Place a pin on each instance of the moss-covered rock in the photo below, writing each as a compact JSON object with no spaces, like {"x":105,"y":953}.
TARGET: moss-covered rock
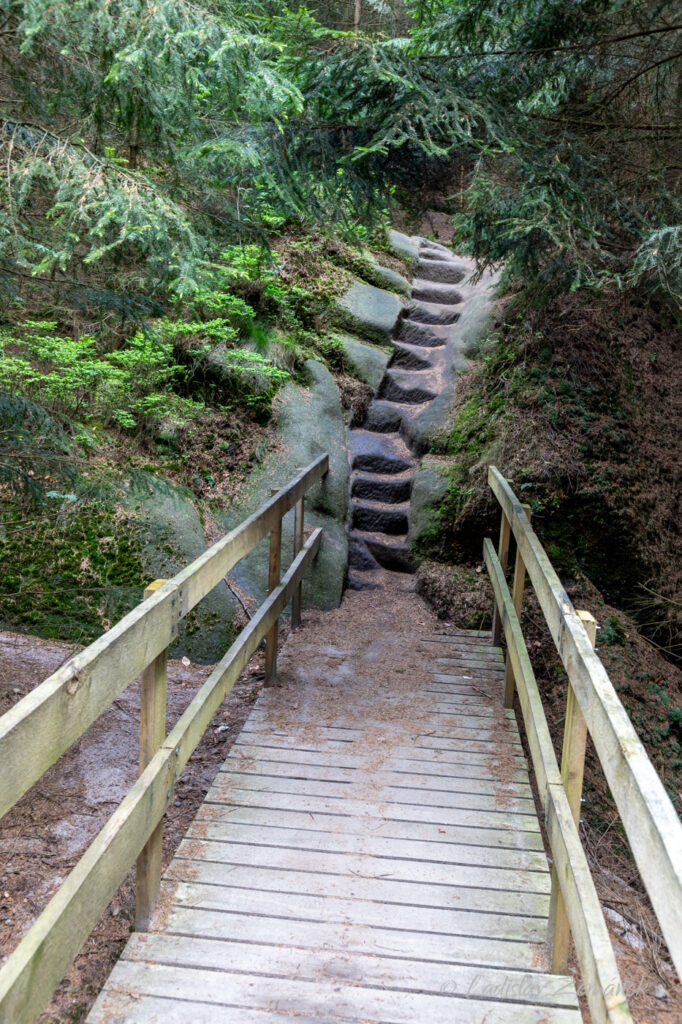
{"x":86,"y":566}
{"x":171,"y":537}
{"x":403,"y":246}
{"x":385,"y":277}
{"x":368,"y":311}
{"x":72,"y":572}
{"x":366,"y":362}
{"x":429,"y":487}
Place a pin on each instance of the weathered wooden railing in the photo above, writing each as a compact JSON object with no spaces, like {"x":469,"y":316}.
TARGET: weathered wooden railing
{"x":651,"y":824}
{"x":43,"y":725}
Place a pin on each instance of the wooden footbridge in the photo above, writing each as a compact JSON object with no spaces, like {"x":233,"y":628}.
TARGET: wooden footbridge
{"x":371,"y":849}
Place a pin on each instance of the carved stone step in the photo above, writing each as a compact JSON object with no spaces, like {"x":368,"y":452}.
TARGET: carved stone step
{"x":426,"y":335}
{"x":368,"y":580}
{"x":429,"y":250}
{"x":411,"y":357}
{"x":380,"y":516}
{"x":390,"y":552}
{"x":385,"y":487}
{"x":435,"y":291}
{"x":446,"y":271}
{"x":405,"y":386}
{"x":433,"y":313}
{"x":383,"y":417}
{"x":379,"y":453}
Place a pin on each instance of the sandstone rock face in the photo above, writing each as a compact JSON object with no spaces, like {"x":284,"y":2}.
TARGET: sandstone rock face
{"x":173,"y":537}
{"x":309,"y":423}
{"x":394,"y":500}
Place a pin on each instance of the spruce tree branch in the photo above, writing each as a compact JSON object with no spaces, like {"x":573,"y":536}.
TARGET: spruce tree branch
{"x":638,"y":74}
{"x":574,"y":48}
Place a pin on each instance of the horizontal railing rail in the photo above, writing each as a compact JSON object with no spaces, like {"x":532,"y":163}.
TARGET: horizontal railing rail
{"x":651,"y":824}
{"x":91,"y":681}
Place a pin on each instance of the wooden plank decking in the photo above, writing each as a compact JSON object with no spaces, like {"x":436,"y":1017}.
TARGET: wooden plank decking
{"x":372,"y":858}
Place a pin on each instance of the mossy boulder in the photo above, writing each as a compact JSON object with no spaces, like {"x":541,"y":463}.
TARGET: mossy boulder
{"x":367,"y":362}
{"x":385,"y":277}
{"x":309,"y":422}
{"x":172,"y":536}
{"x":90,"y":563}
{"x":403,"y":246}
{"x":430,"y":485}
{"x":369,"y":312}
{"x":76,"y":572}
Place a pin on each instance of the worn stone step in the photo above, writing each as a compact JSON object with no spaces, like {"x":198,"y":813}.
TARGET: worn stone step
{"x":393,"y":487}
{"x":405,"y":386}
{"x":434,"y":250}
{"x":379,"y":452}
{"x":391,"y":552}
{"x":368,"y":580}
{"x":436,"y":291}
{"x":447,"y":271}
{"x":383,"y":417}
{"x":433,"y":313}
{"x":380,"y":516}
{"x":412,"y":357}
{"x":425,"y":335}
{"x":436,"y":255}
{"x":360,"y":559}
{"x":378,"y":578}
{"x":384,"y":412}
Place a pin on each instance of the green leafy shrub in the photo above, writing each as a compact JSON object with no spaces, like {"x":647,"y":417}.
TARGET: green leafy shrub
{"x":255,"y":273}
{"x":612,"y":632}
{"x":254,"y":379}
{"x":214,"y":296}
{"x":131,"y":387}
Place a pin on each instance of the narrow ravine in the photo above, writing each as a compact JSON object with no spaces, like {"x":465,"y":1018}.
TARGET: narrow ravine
{"x":383,"y":464}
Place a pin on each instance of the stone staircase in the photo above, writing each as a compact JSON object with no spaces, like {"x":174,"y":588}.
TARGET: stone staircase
{"x":382,"y":462}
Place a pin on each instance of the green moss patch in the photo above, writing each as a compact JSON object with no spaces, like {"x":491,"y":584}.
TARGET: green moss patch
{"x":72,"y":575}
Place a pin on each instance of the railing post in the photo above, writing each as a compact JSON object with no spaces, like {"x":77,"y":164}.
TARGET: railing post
{"x":152,"y":735}
{"x":503,"y":558}
{"x":274,"y":570}
{"x":517,"y":600}
{"x":572,"y":771}
{"x":296,"y":599}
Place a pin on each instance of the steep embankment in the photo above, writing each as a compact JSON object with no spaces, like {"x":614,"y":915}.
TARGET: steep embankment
{"x":580,"y":406}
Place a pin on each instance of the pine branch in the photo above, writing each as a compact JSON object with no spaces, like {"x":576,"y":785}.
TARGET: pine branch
{"x":572,"y":48}
{"x":638,"y":74}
